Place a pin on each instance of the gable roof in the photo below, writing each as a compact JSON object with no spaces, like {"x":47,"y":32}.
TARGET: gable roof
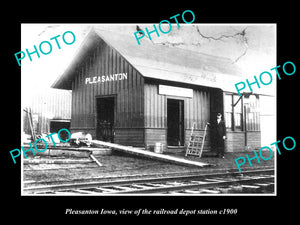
{"x":159,"y":62}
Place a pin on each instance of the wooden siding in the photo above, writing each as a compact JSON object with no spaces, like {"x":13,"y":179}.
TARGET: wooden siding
{"x":196,"y":109}
{"x":254,"y":139}
{"x":130,"y":136}
{"x":236,"y":141}
{"x":155,"y":107}
{"x":47,"y":105}
{"x":153,"y":135}
{"x":102,"y":61}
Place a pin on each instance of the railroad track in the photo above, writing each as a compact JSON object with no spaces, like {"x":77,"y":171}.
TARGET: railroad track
{"x":251,"y":181}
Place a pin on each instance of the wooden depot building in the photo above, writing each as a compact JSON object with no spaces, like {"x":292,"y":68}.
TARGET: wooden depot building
{"x":139,"y":95}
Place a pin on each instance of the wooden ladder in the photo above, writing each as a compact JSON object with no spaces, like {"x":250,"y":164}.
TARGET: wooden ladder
{"x":196,"y":143}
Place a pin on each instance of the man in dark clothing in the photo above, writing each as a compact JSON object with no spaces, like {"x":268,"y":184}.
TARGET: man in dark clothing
{"x":219,"y":129}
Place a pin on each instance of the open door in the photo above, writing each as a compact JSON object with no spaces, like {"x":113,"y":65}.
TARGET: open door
{"x":105,"y":119}
{"x":175,"y":121}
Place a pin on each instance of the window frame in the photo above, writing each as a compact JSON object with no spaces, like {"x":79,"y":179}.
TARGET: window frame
{"x":231,"y":125}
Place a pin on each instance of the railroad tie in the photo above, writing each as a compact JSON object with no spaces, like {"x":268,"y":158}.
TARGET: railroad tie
{"x":191,"y":192}
{"x":209,"y":191}
{"x":216,"y":183}
{"x":103,"y":189}
{"x":125,"y":188}
{"x":140,"y":186}
{"x":81,"y":191}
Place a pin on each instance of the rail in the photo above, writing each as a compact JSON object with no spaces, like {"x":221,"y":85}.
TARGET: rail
{"x":201,"y":183}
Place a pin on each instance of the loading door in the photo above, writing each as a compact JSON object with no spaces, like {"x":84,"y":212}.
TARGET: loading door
{"x":175,"y":121}
{"x":105,"y":119}
{"x":216,"y":106}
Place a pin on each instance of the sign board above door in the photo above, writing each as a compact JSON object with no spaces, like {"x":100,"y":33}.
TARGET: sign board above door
{"x":175,"y":91}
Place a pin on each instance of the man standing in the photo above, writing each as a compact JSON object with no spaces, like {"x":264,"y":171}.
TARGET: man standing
{"x":220,"y":135}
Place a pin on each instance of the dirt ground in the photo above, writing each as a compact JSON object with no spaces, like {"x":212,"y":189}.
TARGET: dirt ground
{"x":120,"y":164}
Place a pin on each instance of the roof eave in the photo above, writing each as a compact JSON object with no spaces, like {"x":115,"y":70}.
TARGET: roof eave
{"x":64,"y":81}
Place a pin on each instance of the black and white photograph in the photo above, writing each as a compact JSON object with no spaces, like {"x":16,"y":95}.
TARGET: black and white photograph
{"x":143,"y":109}
{"x":150,"y":112}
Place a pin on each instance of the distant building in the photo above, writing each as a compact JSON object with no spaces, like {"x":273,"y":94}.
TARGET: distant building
{"x":162,"y":92}
{"x":50,"y":109}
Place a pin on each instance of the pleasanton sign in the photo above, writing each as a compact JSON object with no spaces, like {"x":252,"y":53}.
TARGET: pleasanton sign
{"x":106,"y":78}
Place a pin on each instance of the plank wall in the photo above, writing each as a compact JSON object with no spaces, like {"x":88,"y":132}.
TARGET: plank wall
{"x":196,"y":110}
{"x":102,"y":61}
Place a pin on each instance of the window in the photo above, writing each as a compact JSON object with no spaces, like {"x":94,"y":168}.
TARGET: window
{"x":228,"y":111}
{"x":238,"y":115}
{"x":235,"y":114}
{"x":252,"y":113}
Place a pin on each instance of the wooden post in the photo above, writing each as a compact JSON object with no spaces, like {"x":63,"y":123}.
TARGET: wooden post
{"x":28,"y":111}
{"x":95,"y":160}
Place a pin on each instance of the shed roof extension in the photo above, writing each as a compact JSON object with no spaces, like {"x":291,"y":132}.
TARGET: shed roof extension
{"x":159,"y":62}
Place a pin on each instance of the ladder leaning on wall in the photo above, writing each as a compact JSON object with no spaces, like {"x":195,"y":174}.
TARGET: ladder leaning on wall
{"x":196,"y":143}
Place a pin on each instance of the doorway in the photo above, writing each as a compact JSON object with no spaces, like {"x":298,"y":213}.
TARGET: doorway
{"x":105,"y":119}
{"x":216,"y":106}
{"x":175,"y":122}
